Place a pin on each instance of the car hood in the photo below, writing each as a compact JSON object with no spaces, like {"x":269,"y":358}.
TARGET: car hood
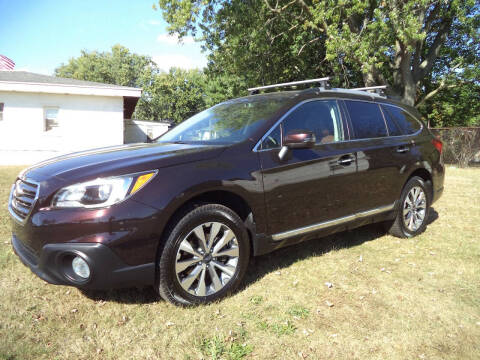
{"x":118,"y":160}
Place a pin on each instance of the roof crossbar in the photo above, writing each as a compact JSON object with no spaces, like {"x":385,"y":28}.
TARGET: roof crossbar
{"x":377,"y":89}
{"x":323,"y":83}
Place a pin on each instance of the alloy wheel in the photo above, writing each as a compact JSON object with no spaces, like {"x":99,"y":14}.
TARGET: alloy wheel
{"x":207,"y":259}
{"x":414,"y":208}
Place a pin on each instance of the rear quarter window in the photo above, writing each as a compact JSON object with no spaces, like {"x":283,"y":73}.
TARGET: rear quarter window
{"x":408,"y":124}
{"x":367,"y":119}
{"x":392,"y":125}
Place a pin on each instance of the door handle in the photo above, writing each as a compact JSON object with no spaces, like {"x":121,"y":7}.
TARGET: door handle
{"x":403,"y":149}
{"x":345,"y":160}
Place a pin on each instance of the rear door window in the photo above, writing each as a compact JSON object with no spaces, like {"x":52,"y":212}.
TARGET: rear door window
{"x":367,"y":120}
{"x":407,"y":123}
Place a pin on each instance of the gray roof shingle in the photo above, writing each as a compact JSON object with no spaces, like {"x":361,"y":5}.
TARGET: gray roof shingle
{"x":28,"y":77}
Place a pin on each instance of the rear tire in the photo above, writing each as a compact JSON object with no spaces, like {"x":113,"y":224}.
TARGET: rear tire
{"x":412,"y":210}
{"x":205,"y":256}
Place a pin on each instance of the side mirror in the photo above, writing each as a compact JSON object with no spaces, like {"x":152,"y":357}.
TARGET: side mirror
{"x":297,"y":139}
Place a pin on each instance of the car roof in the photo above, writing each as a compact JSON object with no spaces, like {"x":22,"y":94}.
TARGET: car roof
{"x":295,"y":96}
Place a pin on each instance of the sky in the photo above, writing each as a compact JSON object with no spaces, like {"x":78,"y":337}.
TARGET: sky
{"x":40,"y":35}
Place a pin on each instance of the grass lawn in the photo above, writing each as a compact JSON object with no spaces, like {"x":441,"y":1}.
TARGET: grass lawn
{"x":389,"y":299}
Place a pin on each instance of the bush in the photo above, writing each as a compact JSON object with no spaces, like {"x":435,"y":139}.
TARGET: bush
{"x":460,"y":145}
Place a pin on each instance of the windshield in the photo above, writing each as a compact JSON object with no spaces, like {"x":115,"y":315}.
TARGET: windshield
{"x":225,"y":123}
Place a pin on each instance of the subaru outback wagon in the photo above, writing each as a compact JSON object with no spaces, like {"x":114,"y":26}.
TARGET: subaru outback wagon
{"x":243,"y":178}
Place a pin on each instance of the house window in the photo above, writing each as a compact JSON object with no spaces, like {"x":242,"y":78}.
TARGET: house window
{"x":51,"y":118}
{"x":1,"y":111}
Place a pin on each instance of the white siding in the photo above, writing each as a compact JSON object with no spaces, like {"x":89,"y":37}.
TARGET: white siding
{"x":84,"y":122}
{"x":138,"y":131}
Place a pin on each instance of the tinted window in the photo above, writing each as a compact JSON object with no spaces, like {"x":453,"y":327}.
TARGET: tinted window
{"x":393,"y":127}
{"x":407,"y":123}
{"x":229,"y":122}
{"x":367,"y":120}
{"x":273,"y":140}
{"x":321,"y":117}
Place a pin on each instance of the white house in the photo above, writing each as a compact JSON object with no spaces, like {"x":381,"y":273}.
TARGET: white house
{"x":44,"y":116}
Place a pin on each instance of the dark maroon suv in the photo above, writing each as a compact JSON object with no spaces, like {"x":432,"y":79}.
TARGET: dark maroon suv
{"x":240,"y":179}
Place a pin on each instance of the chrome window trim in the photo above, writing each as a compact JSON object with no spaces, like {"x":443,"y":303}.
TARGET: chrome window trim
{"x":409,"y":113}
{"x":325,"y":224}
{"x":384,"y":119}
{"x":256,"y":148}
{"x":10,"y":210}
{"x":388,"y":104}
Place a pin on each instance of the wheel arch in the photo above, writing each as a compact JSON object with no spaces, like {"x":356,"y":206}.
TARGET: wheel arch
{"x":424,"y":174}
{"x":227,"y":198}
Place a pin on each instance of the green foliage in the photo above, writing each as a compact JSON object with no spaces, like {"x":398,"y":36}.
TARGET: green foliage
{"x":284,"y":328}
{"x":172,"y":96}
{"x":278,"y":328}
{"x":230,"y":347}
{"x":180,"y":94}
{"x":418,"y":47}
{"x":456,"y":106}
{"x":256,"y":299}
{"x":119,"y":67}
{"x":298,"y":311}
{"x":221,"y":87}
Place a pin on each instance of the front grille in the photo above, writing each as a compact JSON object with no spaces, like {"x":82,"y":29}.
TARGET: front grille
{"x":22,"y":199}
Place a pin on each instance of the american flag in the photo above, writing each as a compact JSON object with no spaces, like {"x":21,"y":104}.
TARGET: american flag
{"x":6,"y":63}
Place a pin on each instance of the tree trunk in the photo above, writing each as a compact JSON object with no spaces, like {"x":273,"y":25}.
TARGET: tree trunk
{"x":409,"y":92}
{"x":403,"y":73}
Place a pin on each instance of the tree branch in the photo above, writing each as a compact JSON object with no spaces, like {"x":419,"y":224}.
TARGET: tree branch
{"x":427,"y":64}
{"x":443,"y":85}
{"x":307,"y":43}
{"x":434,"y":92}
{"x":276,"y":9}
{"x":305,"y":6}
{"x":419,"y":44}
{"x":283,"y":32}
{"x":431,"y":17}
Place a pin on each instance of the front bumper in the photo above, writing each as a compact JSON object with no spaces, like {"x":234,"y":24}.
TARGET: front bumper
{"x":107,"y":270}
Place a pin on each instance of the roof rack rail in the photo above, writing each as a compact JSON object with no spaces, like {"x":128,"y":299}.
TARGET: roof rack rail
{"x":376,"y":89}
{"x":323,"y":83}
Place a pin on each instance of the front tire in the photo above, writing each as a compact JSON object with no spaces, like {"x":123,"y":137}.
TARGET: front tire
{"x":205,"y":256}
{"x":412,"y":210}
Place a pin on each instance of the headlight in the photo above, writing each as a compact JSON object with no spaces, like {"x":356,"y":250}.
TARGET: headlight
{"x":101,"y":192}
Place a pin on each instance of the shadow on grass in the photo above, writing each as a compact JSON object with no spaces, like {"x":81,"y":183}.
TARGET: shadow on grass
{"x":262,"y":265}
{"x":432,"y":216}
{"x":145,"y":295}
{"x":283,"y":258}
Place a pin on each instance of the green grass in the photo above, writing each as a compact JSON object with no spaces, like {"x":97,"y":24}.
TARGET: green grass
{"x":390,"y":299}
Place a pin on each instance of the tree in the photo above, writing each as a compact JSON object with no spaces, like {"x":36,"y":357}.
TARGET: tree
{"x":172,"y":96}
{"x":454,"y":106}
{"x":118,"y":67}
{"x":399,"y":43}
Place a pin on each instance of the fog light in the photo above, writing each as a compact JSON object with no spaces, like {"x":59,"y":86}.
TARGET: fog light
{"x":80,"y":267}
